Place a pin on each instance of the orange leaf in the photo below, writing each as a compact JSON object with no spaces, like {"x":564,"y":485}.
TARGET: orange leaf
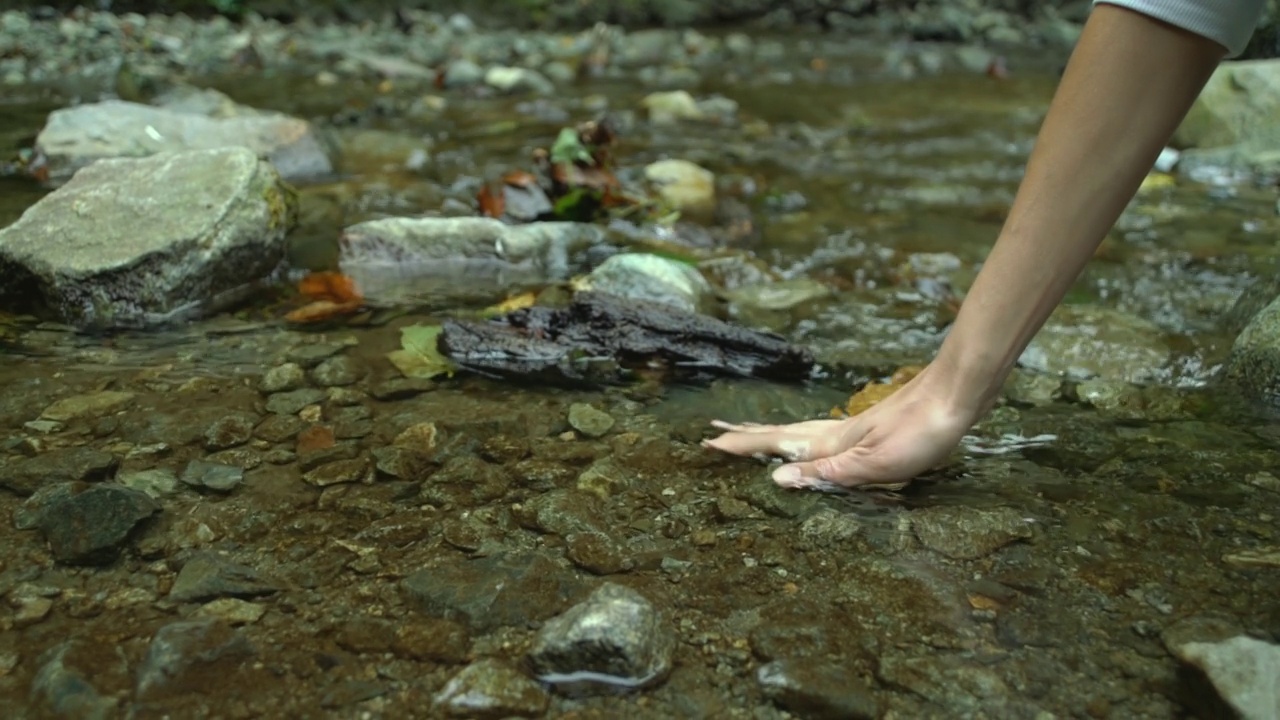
{"x":520,"y":179}
{"x":322,"y":310}
{"x":332,"y":286}
{"x":491,"y":204}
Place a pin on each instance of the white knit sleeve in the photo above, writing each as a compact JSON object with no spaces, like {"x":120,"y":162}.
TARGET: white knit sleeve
{"x":1229,"y":23}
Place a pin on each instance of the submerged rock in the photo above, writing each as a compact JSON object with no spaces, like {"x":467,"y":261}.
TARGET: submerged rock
{"x":78,"y":136}
{"x":1254,"y":362}
{"x":615,"y":639}
{"x":133,"y":242}
{"x":1081,"y":342}
{"x":1243,"y":670}
{"x":685,"y":187}
{"x":491,"y":689}
{"x":89,"y":527}
{"x":395,"y":260}
{"x":816,"y":692}
{"x":652,"y":278}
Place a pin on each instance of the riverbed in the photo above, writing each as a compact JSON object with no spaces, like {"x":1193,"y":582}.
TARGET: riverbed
{"x":1089,"y":526}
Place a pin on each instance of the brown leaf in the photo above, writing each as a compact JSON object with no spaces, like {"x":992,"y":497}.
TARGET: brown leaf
{"x":314,"y":439}
{"x":332,"y":286}
{"x":321,"y":311}
{"x":491,"y":204}
{"x":589,"y":178}
{"x":520,"y":179}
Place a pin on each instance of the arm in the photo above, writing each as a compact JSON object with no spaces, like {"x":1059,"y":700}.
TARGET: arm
{"x":1129,"y":82}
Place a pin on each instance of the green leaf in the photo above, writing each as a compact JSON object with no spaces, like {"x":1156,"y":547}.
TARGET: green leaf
{"x":568,"y":148}
{"x":418,"y":356}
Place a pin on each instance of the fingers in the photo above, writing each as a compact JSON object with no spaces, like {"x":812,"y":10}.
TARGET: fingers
{"x":844,"y":469}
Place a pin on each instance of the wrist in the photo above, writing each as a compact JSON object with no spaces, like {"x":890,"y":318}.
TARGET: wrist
{"x":969,"y":379}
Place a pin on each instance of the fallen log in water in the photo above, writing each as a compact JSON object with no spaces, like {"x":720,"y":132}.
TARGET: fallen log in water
{"x":598,"y":338}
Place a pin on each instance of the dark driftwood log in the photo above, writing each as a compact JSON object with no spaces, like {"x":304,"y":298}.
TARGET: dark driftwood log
{"x":598,"y":337}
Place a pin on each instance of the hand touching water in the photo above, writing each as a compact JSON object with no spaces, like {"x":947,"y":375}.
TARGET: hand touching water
{"x":886,"y":446}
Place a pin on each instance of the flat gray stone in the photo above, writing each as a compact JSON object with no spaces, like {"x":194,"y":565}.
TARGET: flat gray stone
{"x":76,"y":137}
{"x":136,"y":242}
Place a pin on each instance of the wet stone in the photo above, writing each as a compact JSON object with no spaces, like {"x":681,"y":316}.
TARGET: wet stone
{"x":65,"y":690}
{"x":279,"y":428}
{"x":504,"y":589}
{"x":89,"y":405}
{"x":89,"y":527}
{"x":829,"y":528}
{"x":157,"y":482}
{"x":615,"y":637}
{"x":1243,"y":670}
{"x":402,"y":463}
{"x":232,"y":611}
{"x":441,"y":641}
{"x":347,"y":397}
{"x":309,"y":356}
{"x":292,"y":402}
{"x":338,"y":371}
{"x":597,"y":553}
{"x":504,"y":449}
{"x":968,"y":533}
{"x":212,"y":476}
{"x":283,"y":378}
{"x":817,"y":691}
{"x":341,"y":451}
{"x":562,"y":512}
{"x":401,"y":388}
{"x":589,"y":421}
{"x":76,"y":464}
{"x":365,"y":635}
{"x":353,"y":430}
{"x":230,"y":431}
{"x":337,"y":472}
{"x":207,"y":575}
{"x":183,"y":654}
{"x":421,"y":438}
{"x":240,"y":457}
{"x":491,"y":690}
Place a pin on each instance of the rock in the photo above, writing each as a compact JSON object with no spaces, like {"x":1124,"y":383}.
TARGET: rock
{"x":186,"y":655}
{"x":212,"y":476}
{"x":828,"y":528}
{"x":491,"y":690}
{"x":90,"y":405}
{"x":292,"y":402}
{"x":215,"y":224}
{"x":74,"y":464}
{"x":614,"y":638}
{"x":337,"y":472}
{"x":589,"y":421}
{"x":1254,"y":362}
{"x":88,"y":527}
{"x":232,"y":611}
{"x":817,"y":691}
{"x":515,"y":80}
{"x":420,"y":437}
{"x":1243,"y":670}
{"x":504,"y":589}
{"x":78,"y":136}
{"x":597,"y":553}
{"x":685,"y":187}
{"x":64,"y":689}
{"x":968,"y":533}
{"x":782,"y":295}
{"x":396,"y":260}
{"x":463,"y":73}
{"x":207,"y":575}
{"x":1236,"y":107}
{"x":310,"y":355}
{"x":338,"y":371}
{"x":283,"y":378}
{"x":157,"y":482}
{"x":229,"y":431}
{"x":669,"y":108}
{"x":652,"y":278}
{"x":1081,"y":342}
{"x":441,"y":641}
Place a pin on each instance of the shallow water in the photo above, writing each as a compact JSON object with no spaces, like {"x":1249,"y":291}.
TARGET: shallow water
{"x":1130,"y":517}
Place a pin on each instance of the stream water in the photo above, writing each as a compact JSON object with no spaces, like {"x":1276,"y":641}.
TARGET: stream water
{"x":1044,"y":572}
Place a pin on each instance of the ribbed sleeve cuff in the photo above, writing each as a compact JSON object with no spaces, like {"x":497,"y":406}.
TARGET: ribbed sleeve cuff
{"x":1229,"y":23}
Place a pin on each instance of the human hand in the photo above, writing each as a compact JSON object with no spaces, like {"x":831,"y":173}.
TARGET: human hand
{"x":886,"y":446}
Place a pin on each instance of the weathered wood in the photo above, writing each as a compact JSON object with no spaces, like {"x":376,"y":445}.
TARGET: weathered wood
{"x":599,"y":338}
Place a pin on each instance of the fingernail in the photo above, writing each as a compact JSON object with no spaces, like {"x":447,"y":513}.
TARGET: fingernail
{"x":787,"y":475}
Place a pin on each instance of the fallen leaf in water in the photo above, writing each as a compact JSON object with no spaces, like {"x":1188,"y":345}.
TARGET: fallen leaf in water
{"x":491,"y":204}
{"x":322,"y":311}
{"x":418,"y":356}
{"x":982,"y":602}
{"x":520,"y":178}
{"x":314,"y":439}
{"x":516,"y":302}
{"x":1157,"y":181}
{"x":872,"y":393}
{"x":332,"y":286}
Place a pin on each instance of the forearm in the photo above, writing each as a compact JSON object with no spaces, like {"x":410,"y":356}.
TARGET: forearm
{"x":1129,"y":82}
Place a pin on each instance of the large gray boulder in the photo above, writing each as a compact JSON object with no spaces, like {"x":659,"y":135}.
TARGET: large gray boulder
{"x":1233,"y":121}
{"x":1254,"y":362}
{"x":74,"y":137}
{"x":133,"y":242}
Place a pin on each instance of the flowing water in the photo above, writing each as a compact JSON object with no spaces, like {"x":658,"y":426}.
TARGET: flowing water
{"x":1129,"y":524}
